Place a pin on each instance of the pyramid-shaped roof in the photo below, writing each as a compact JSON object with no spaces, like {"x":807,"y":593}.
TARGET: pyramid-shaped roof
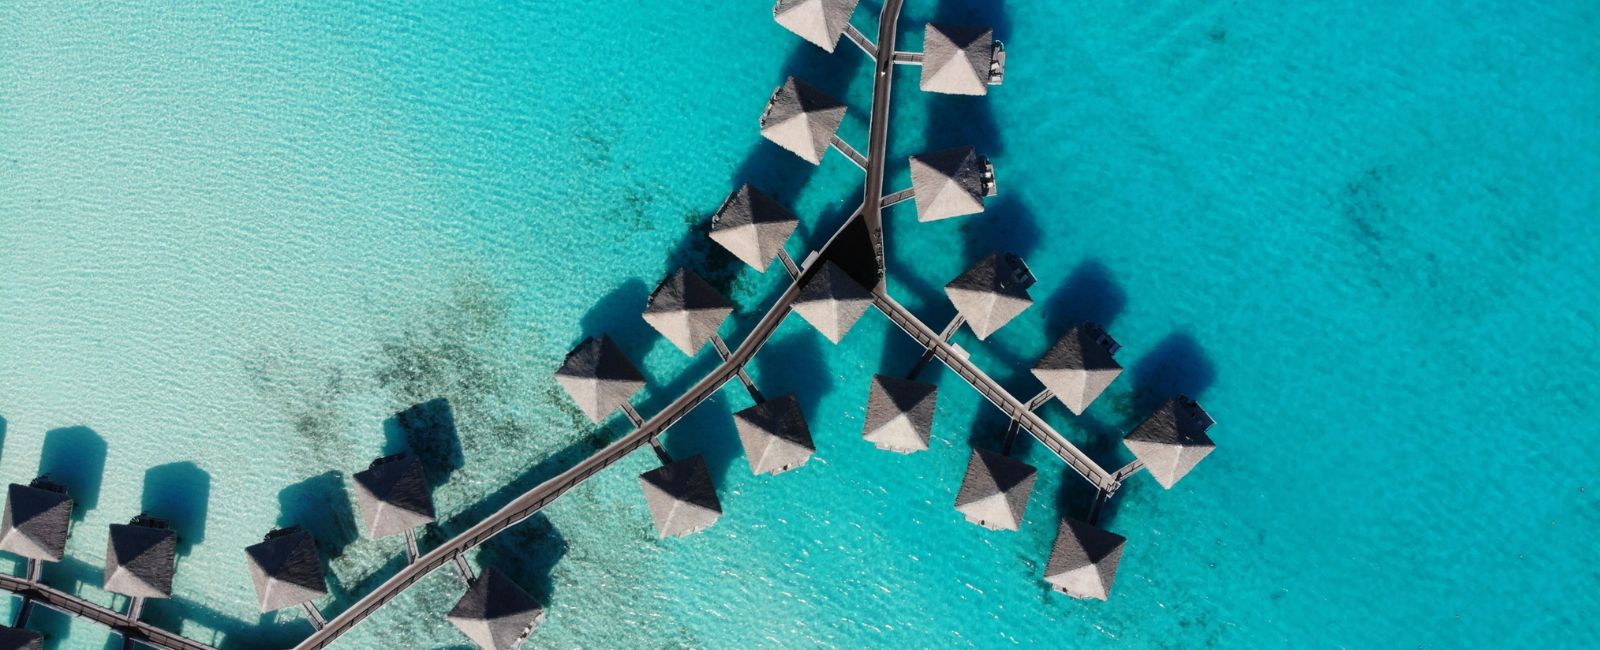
{"x":956,"y":59}
{"x":900,"y":414}
{"x":818,"y":21}
{"x":37,"y":521}
{"x":286,"y":569}
{"x":599,"y":377}
{"x":802,"y":119}
{"x":1084,"y":561}
{"x":394,"y":495}
{"x":686,"y":310}
{"x":752,"y":226}
{"x":995,"y":492}
{"x":16,"y":638}
{"x":140,"y":560}
{"x":991,"y":293}
{"x":496,"y":613}
{"x":1079,"y":366}
{"x":832,"y":301}
{"x":1172,"y":440}
{"x":681,"y":497}
{"x":948,"y":183}
{"x":775,"y":435}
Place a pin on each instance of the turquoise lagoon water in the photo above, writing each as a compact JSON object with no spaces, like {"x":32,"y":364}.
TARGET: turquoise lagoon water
{"x":237,"y":238}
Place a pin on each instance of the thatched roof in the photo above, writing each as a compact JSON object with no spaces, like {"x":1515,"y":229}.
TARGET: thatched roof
{"x":686,"y":310}
{"x":949,"y":183}
{"x":832,"y":301}
{"x":992,"y":292}
{"x":775,"y":435}
{"x":496,"y":613}
{"x":956,"y":59}
{"x":802,"y":119}
{"x":394,"y":495}
{"x":818,"y":21}
{"x":995,"y":492}
{"x":752,"y":226}
{"x":286,"y":569}
{"x":1084,"y":561}
{"x":900,"y":414}
{"x":1172,"y":440}
{"x":37,"y":521}
{"x":599,"y":377}
{"x":140,"y":559}
{"x":1079,"y":366}
{"x":681,"y":497}
{"x":15,"y":638}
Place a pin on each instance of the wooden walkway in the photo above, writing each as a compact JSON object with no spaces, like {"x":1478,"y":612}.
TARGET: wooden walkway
{"x":990,"y":389}
{"x":860,"y":40}
{"x":898,"y":197}
{"x":66,"y":603}
{"x":878,"y":134}
{"x":849,"y":151}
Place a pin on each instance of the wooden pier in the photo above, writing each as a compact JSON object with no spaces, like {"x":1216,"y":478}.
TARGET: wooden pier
{"x":118,"y":622}
{"x":861,"y":41}
{"x":878,"y":134}
{"x":849,"y":151}
{"x":991,"y":390}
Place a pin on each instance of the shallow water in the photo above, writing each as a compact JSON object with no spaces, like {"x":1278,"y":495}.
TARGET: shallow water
{"x":236,"y":239}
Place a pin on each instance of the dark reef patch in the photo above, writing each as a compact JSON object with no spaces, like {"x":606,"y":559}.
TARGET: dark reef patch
{"x":308,"y":394}
{"x":1362,"y":204}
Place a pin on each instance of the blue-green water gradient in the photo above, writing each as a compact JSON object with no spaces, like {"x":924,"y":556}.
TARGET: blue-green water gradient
{"x":236,"y":238}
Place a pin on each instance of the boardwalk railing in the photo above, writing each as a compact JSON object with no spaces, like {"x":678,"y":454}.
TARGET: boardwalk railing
{"x":860,"y":40}
{"x":989,"y":388}
{"x":67,"y":603}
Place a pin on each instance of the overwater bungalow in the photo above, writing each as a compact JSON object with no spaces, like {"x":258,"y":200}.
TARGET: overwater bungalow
{"x":16,"y":638}
{"x":1172,"y":440}
{"x":802,"y":119}
{"x":1084,"y":562}
{"x":960,"y":60}
{"x":37,"y":521}
{"x":681,"y":497}
{"x":818,"y":21}
{"x":286,"y":569}
{"x":686,"y":310}
{"x":775,"y":435}
{"x":141,"y":558}
{"x":753,"y":226}
{"x":832,"y":301}
{"x":599,"y":377}
{"x":951,"y":183}
{"x":394,"y":496}
{"x":1079,"y":366}
{"x":992,"y":292}
{"x":496,"y":613}
{"x":900,"y":414}
{"x":995,"y":492}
